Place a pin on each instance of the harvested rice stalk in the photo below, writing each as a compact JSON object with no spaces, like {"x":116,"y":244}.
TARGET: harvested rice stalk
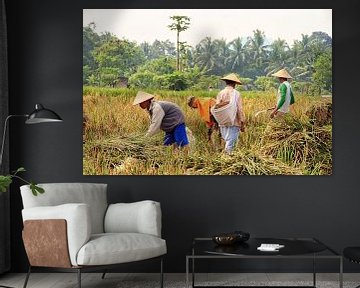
{"x":320,"y":113}
{"x":299,"y":143}
{"x":242,"y":162}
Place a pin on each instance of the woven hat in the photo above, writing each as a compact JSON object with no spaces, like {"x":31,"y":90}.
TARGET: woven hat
{"x":231,"y":77}
{"x":282,"y":74}
{"x":142,"y":96}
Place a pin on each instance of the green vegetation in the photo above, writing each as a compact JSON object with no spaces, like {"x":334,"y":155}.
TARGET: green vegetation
{"x":179,"y":66}
{"x":6,"y":180}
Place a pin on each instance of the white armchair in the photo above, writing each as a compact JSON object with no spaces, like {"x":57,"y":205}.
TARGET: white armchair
{"x":72,"y":228}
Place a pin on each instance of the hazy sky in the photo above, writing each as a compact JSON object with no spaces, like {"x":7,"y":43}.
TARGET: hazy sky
{"x":149,"y":24}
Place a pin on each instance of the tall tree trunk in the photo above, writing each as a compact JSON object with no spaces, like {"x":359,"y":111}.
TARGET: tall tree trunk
{"x":177,"y":51}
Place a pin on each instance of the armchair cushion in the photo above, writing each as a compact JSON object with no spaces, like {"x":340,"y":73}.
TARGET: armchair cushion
{"x":138,"y":217}
{"x":93,"y":194}
{"x":78,"y":221}
{"x":113,"y":248}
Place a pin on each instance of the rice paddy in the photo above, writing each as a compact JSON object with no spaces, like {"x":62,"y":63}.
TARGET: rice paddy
{"x":114,"y":141}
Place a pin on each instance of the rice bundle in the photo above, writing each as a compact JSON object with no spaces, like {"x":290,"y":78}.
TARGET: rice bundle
{"x":133,"y":145}
{"x":320,"y":113}
{"x":242,"y":162}
{"x":299,"y":143}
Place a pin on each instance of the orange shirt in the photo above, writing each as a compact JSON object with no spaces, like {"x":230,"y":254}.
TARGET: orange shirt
{"x":203,"y":105}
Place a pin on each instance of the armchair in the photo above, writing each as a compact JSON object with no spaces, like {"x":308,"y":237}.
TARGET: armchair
{"x":71,"y":228}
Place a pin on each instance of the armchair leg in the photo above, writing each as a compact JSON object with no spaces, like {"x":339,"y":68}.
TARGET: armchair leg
{"x":79,"y":277}
{"x":161,"y":273}
{"x":27,"y":277}
{"x":103,"y":275}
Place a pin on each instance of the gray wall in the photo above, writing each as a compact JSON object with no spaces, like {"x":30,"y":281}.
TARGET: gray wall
{"x":45,"y":50}
{"x":4,"y":166}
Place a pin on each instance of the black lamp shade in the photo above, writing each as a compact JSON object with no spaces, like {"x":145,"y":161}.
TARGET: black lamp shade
{"x":42,"y":115}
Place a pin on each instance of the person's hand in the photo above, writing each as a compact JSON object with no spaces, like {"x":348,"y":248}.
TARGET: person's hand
{"x":272,"y":114}
{"x":242,"y":127}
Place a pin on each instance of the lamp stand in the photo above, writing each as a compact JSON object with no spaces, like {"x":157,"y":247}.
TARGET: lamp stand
{"x":4,"y":136}
{"x":39,"y":115}
{"x":2,"y":152}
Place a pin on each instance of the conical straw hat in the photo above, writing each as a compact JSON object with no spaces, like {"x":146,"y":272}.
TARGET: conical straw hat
{"x":282,"y":74}
{"x":231,"y":77}
{"x":142,"y":96}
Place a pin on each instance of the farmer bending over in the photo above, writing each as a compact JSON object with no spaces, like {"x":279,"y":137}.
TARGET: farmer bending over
{"x":285,"y":96}
{"x":203,"y":106}
{"x":166,"y":116}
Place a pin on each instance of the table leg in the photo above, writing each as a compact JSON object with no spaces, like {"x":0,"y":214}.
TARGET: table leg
{"x":187,"y":272}
{"x":193,"y":267}
{"x":193,"y":272}
{"x":314,"y":271}
{"x":341,"y":273}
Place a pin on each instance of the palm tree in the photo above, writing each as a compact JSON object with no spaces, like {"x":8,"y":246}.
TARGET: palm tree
{"x":258,"y":48}
{"x":278,"y":56}
{"x":305,"y":43}
{"x":295,"y":59}
{"x":205,"y":54}
{"x":237,"y":57}
{"x":146,"y":47}
{"x":295,"y":52}
{"x":310,"y":48}
{"x":168,"y":47}
{"x":222,"y":49}
{"x":185,"y":53}
{"x":181,"y":23}
{"x":306,"y":54}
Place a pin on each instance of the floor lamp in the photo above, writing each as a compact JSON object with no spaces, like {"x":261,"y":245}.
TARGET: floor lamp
{"x":39,"y":115}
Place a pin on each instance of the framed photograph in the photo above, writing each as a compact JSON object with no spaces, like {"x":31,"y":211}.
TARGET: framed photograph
{"x":207,"y":92}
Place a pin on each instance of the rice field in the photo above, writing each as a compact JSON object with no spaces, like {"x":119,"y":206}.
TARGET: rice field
{"x":114,"y":141}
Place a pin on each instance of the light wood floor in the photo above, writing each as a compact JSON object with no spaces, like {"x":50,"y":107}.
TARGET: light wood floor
{"x":112,"y":280}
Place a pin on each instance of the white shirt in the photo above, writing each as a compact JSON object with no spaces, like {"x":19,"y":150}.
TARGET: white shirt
{"x":157,"y":116}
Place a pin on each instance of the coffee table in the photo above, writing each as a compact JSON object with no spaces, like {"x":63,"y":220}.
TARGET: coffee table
{"x":294,"y":248}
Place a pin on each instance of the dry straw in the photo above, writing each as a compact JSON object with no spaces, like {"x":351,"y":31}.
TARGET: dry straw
{"x":296,"y":145}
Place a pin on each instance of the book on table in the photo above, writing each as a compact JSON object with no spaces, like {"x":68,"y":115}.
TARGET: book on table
{"x":270,"y":247}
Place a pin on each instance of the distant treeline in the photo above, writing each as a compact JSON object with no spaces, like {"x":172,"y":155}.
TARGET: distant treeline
{"x":108,"y":61}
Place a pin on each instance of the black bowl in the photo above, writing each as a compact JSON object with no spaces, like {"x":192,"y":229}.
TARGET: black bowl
{"x":225,"y":239}
{"x":241,"y":236}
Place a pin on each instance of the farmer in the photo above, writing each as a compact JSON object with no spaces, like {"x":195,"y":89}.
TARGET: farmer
{"x":285,"y":96}
{"x":204,"y":105}
{"x":229,"y":113}
{"x":166,"y":116}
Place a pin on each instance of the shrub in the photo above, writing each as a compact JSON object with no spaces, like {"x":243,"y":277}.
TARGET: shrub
{"x":265,"y":83}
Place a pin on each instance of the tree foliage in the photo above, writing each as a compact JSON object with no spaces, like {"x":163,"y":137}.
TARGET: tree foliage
{"x":180,"y":24}
{"x":323,"y":71}
{"x":117,"y":58}
{"x":163,"y":64}
{"x":265,"y":83}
